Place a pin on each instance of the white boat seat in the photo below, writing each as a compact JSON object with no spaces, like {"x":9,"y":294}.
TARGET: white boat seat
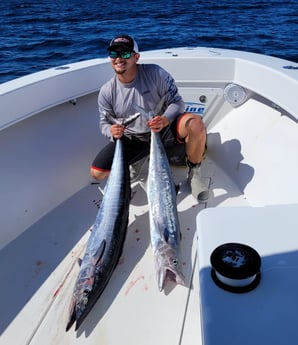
{"x":265,"y":315}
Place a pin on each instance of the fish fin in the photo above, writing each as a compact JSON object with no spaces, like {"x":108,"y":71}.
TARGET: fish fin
{"x":120,"y":120}
{"x":72,"y":314}
{"x":130,"y":119}
{"x":159,"y":106}
{"x":142,"y":111}
{"x":150,"y":114}
{"x":101,"y":190}
{"x":80,"y":261}
{"x":166,"y":234}
{"x":100,"y":251}
{"x":110,"y":118}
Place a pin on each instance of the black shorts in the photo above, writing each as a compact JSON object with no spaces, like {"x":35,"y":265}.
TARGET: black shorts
{"x":135,"y":149}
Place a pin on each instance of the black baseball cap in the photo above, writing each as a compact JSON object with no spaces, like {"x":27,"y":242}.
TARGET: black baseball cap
{"x":125,"y":42}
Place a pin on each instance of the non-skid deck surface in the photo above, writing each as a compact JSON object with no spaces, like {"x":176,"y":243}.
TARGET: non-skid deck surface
{"x":40,"y":267}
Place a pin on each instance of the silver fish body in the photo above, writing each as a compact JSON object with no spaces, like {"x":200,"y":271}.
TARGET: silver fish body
{"x":163,"y":214}
{"x":105,"y":243}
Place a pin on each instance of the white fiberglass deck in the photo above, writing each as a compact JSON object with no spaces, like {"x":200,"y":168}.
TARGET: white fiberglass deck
{"x":131,"y":298}
{"x":40,"y":266}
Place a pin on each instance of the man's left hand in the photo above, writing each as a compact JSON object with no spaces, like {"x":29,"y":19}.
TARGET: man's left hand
{"x":158,"y":123}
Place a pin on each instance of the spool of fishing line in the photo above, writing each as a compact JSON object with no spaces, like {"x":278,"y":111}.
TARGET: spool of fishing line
{"x":235,"y":267}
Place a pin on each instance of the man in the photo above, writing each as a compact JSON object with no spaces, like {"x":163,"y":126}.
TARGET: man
{"x":144,"y":85}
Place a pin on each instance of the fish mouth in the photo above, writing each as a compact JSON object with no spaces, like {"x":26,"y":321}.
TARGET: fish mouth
{"x":79,"y":322}
{"x":76,"y":317}
{"x":79,"y":317}
{"x":170,"y":275}
{"x":166,"y":274}
{"x":167,"y":266}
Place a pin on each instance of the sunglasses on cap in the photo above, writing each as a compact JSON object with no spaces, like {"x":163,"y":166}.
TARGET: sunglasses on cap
{"x":122,"y":54}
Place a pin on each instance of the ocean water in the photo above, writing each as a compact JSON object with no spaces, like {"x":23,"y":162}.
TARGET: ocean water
{"x":40,"y":34}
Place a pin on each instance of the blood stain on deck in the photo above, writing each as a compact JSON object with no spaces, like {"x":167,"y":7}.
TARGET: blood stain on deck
{"x":133,"y":283}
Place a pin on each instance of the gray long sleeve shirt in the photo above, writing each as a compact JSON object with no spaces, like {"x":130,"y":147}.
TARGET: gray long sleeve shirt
{"x":146,"y":90}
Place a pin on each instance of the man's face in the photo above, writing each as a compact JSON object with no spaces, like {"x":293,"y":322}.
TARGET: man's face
{"x":124,"y":61}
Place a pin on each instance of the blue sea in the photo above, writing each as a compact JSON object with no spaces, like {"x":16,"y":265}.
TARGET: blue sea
{"x":37,"y":35}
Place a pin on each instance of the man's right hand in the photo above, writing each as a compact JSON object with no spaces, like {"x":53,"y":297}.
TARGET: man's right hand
{"x":117,"y":131}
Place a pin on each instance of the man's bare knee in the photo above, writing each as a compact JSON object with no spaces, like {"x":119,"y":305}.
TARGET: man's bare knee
{"x":196,"y":125}
{"x":190,"y":124}
{"x":99,"y":174}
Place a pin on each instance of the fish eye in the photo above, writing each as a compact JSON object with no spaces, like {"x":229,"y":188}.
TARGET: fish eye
{"x":175,"y":262}
{"x":86,"y":292}
{"x":85,"y":299}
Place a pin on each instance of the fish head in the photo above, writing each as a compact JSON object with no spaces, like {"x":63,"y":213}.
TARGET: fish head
{"x":82,"y":302}
{"x":78,"y":308}
{"x":83,"y":293}
{"x":167,"y":266}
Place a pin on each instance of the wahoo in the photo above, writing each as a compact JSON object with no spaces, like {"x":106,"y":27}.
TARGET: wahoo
{"x":164,"y":221}
{"x":106,"y":240}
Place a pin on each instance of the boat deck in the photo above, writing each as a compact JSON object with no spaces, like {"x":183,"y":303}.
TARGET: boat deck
{"x":40,"y":266}
{"x":45,"y":261}
{"x":47,"y":212}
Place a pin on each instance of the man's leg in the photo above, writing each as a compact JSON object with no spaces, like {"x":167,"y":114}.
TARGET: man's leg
{"x":101,"y":166}
{"x":192,"y":130}
{"x":134,"y":152}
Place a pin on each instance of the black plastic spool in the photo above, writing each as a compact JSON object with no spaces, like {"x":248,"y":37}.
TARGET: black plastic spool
{"x":236,"y":262}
